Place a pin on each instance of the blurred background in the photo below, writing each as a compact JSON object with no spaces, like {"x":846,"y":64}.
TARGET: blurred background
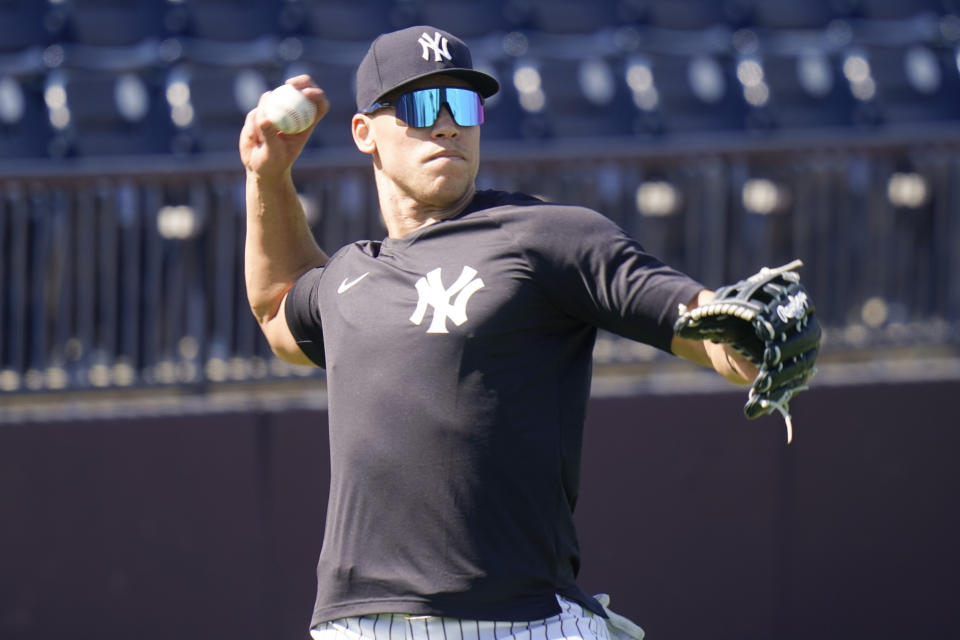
{"x":162,"y":475}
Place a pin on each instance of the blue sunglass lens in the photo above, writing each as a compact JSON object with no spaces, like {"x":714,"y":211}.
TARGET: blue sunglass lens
{"x":422,"y":107}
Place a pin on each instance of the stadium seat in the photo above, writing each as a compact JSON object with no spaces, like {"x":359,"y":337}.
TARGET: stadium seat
{"x":24,"y":130}
{"x":898,"y":9}
{"x":791,"y":14}
{"x":464,"y":18}
{"x":807,"y":90}
{"x":111,"y":112}
{"x":219,"y":96}
{"x":693,"y":94}
{"x":114,"y":22}
{"x":351,"y":20}
{"x":22,"y":24}
{"x":914,"y":84}
{"x":572,"y":16}
{"x":690,"y":14}
{"x":584,"y":97}
{"x":230,"y":20}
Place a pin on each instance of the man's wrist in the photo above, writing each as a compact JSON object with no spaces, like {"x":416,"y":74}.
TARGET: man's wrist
{"x":269,"y":180}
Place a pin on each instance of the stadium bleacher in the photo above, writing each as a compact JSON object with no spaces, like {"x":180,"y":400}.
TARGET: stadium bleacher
{"x":694,"y":49}
{"x":112,"y":112}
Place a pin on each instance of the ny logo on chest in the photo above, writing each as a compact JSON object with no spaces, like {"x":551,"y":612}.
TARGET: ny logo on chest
{"x":448,"y":303}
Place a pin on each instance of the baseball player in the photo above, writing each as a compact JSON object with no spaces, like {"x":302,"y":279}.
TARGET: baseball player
{"x":458,"y":358}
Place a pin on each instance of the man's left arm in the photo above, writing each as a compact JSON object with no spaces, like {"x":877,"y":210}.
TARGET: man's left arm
{"x":722,"y":358}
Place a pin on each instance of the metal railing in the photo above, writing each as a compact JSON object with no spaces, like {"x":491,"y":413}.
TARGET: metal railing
{"x":131,"y":274}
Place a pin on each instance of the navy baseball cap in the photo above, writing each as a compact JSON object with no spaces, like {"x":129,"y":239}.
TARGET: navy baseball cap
{"x":399,"y":57}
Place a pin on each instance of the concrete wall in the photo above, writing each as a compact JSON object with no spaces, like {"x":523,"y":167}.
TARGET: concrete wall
{"x":698,"y":522}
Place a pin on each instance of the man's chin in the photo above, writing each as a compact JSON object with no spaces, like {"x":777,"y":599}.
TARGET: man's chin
{"x":447,"y":192}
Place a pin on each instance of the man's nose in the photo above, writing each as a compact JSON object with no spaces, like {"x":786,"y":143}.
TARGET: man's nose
{"x":445,"y":126}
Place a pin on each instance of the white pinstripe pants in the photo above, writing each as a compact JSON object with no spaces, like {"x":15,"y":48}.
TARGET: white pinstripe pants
{"x":572,"y":623}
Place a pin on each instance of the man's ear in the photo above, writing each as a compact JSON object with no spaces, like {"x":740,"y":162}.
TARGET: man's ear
{"x":362,"y":129}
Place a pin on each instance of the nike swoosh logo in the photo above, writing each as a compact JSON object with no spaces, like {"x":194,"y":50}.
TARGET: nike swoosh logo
{"x":347,"y":282}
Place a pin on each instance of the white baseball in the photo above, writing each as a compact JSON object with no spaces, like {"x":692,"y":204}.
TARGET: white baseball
{"x":288,"y":109}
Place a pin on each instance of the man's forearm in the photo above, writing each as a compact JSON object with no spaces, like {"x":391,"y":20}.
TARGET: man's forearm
{"x":279,"y":244}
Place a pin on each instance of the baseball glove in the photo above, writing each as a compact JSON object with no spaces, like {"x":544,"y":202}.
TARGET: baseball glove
{"x":770,"y":319}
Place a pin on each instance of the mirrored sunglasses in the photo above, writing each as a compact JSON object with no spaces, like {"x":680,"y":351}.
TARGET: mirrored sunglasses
{"x":421,"y":108}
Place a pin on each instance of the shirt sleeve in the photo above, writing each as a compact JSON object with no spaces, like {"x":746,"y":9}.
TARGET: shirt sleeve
{"x":303,"y":315}
{"x":589,"y":267}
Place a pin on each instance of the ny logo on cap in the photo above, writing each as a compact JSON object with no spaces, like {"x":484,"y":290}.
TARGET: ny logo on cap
{"x":438,"y":44}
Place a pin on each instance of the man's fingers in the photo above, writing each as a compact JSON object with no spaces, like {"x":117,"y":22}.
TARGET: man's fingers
{"x":309,"y":88}
{"x":260,"y":122}
{"x":249,"y":129}
{"x":319,"y":98}
{"x":250,"y":134}
{"x":301,"y":81}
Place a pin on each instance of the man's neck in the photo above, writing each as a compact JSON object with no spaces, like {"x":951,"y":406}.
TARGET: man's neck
{"x":403,"y":214}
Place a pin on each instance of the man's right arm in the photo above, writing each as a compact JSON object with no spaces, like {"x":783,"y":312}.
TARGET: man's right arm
{"x":279,"y":244}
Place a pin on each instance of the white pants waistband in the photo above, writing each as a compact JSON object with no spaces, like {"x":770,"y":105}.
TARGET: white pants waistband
{"x":572,"y":623}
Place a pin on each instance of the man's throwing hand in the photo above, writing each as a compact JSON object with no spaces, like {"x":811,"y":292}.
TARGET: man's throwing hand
{"x":263,"y":149}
